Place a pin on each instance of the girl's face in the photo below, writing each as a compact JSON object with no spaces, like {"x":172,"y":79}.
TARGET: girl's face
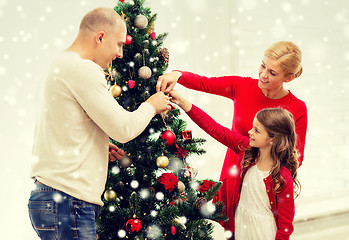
{"x":271,"y":75}
{"x":259,"y":137}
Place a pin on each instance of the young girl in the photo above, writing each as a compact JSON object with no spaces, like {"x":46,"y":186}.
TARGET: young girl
{"x":263,"y":201}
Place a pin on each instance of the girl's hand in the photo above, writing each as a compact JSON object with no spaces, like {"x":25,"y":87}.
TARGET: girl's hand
{"x":180,"y":101}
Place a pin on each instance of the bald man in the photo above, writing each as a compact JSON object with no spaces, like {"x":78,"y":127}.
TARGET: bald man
{"x":76,"y":116}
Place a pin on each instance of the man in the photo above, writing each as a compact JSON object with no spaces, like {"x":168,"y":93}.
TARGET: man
{"x":76,"y":118}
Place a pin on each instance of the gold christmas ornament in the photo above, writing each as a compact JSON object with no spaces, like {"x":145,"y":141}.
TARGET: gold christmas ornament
{"x":162,"y":161}
{"x":110,"y":195}
{"x":115,"y":90}
{"x":141,"y":22}
{"x":181,"y":186}
{"x":144,"y":72}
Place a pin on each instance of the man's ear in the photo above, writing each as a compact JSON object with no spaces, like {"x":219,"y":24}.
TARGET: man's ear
{"x":99,"y":37}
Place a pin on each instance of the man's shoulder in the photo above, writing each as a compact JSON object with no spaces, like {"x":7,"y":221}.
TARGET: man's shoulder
{"x":70,"y":64}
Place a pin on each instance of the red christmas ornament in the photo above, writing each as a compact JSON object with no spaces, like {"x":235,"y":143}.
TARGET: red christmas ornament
{"x":187,"y":135}
{"x":131,"y":83}
{"x":173,"y":230}
{"x":152,"y":35}
{"x":128,"y":40}
{"x":169,"y":137}
{"x":122,"y":1}
{"x":133,"y":225}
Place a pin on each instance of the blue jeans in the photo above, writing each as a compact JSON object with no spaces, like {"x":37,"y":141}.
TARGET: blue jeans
{"x":58,"y":216}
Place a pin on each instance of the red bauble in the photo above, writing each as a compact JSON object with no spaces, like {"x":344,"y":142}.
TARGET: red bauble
{"x":169,"y":137}
{"x":128,"y":40}
{"x":133,"y":225}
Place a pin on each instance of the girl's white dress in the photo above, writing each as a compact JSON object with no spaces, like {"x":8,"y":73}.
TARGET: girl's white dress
{"x":253,"y":217}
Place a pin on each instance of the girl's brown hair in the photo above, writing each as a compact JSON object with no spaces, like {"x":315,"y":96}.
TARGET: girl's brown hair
{"x":279,"y":124}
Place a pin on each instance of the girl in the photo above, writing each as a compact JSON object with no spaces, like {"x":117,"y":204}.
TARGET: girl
{"x":266,"y":173}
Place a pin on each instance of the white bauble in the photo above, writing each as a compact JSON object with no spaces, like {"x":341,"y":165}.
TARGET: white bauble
{"x":141,"y":22}
{"x":144,"y":72}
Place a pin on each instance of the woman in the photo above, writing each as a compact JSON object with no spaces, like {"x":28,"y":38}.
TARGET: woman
{"x":281,"y":64}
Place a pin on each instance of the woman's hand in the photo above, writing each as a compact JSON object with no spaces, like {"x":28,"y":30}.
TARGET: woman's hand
{"x":180,"y":101}
{"x":167,"y":81}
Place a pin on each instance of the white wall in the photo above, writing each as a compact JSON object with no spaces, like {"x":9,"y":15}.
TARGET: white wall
{"x":214,"y":38}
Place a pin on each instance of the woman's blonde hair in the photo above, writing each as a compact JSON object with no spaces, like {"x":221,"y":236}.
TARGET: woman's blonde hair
{"x":279,"y":124}
{"x":289,"y":55}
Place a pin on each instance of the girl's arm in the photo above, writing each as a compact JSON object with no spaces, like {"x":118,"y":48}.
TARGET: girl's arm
{"x":224,"y":135}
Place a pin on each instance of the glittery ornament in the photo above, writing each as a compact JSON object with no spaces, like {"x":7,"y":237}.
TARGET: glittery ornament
{"x":110,"y":195}
{"x":133,"y":225}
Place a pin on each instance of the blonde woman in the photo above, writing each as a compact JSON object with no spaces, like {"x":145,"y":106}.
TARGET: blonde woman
{"x":280,"y":65}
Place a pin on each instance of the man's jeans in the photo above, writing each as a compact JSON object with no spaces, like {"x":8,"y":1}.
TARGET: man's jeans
{"x":56,"y":215}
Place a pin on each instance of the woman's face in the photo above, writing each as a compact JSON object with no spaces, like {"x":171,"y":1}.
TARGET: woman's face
{"x":271,"y":75}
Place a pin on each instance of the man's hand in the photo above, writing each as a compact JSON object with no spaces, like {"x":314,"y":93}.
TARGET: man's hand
{"x":160,"y":102}
{"x":115,"y":153}
{"x":167,"y":81}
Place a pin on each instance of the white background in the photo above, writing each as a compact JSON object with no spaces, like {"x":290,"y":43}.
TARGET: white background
{"x":222,"y":37}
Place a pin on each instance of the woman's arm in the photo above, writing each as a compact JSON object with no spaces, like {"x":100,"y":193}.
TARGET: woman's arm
{"x":301,"y":130}
{"x":223,"y":86}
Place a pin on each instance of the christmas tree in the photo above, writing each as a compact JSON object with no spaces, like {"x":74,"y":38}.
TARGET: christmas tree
{"x":152,"y":193}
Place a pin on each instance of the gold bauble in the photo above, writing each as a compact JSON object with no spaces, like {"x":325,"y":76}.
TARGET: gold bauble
{"x":162,"y":161}
{"x":115,"y":90}
{"x":110,"y":195}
